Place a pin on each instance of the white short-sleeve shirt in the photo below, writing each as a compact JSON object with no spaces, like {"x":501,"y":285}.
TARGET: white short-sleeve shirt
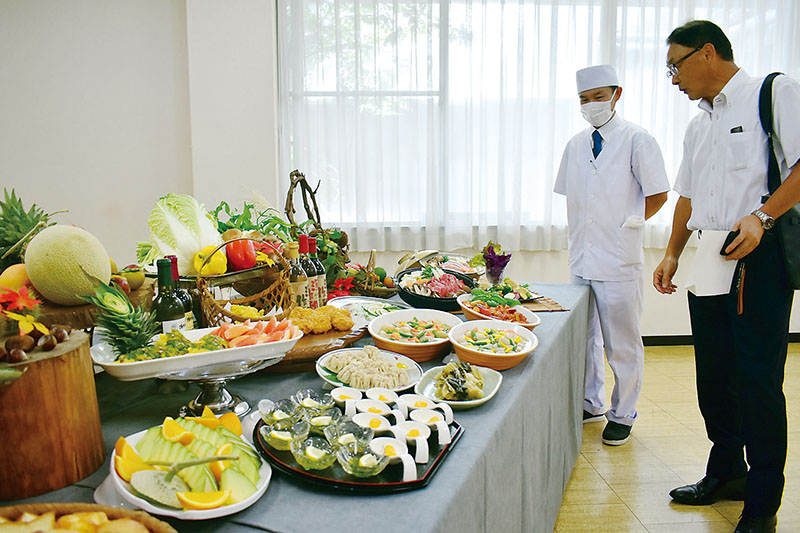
{"x":603,"y":193}
{"x":724,"y":167}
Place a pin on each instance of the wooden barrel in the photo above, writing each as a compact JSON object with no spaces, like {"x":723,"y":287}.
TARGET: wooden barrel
{"x":50,"y":422}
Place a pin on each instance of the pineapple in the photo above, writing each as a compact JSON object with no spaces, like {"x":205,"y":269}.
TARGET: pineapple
{"x":15,"y":224}
{"x":126,"y":328}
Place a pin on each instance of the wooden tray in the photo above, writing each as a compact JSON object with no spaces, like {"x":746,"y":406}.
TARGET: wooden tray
{"x":304,"y":355}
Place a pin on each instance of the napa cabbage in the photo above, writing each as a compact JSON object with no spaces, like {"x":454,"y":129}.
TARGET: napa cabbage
{"x":179,"y":225}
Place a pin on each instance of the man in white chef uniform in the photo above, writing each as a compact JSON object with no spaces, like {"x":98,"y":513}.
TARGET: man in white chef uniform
{"x":613,"y":177}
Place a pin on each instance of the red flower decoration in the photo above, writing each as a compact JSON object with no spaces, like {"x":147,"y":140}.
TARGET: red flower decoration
{"x":336,"y":294}
{"x":344,"y":284}
{"x":18,"y":300}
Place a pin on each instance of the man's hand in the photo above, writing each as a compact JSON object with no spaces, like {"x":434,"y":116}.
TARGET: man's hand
{"x":750,"y":233}
{"x":662,"y":275}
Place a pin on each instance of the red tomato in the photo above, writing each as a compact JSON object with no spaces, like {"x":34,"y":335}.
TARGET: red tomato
{"x":241,"y":255}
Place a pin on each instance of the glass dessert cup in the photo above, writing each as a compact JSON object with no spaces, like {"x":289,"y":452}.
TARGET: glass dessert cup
{"x":363,"y":463}
{"x":281,"y":414}
{"x":323,"y":419}
{"x":312,"y":401}
{"x":281,"y":439}
{"x":313,"y":453}
{"x":349,"y":435}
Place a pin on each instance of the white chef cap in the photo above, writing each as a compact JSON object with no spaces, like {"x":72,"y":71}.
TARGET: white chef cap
{"x":597,"y":76}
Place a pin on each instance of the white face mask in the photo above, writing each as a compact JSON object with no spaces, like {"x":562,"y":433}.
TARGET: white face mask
{"x":597,"y":113}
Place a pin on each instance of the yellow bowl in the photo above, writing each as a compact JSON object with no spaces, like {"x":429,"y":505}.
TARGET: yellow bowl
{"x":419,"y":352}
{"x":470,"y":314}
{"x":491,"y":360}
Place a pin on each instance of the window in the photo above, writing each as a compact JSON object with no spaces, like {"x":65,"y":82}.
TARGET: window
{"x":441,"y":124}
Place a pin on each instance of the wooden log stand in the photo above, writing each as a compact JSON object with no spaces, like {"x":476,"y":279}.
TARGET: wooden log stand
{"x":51,"y":422}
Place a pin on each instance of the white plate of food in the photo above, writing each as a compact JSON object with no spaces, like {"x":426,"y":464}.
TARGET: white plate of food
{"x":435,"y":390}
{"x":103,"y":355}
{"x":125,"y":490}
{"x":474,"y":309}
{"x":364,"y":308}
{"x":341,"y":367}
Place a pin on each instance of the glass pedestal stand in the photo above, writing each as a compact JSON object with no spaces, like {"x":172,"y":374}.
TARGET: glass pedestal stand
{"x":212,"y":380}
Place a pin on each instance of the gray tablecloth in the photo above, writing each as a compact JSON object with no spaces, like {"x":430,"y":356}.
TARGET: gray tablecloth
{"x":507,"y":473}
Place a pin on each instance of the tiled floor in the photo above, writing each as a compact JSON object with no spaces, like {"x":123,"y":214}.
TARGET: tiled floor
{"x":625,"y":488}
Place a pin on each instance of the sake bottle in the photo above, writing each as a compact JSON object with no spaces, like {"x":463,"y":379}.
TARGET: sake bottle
{"x":297,"y":276}
{"x":311,"y":272}
{"x":321,"y":277}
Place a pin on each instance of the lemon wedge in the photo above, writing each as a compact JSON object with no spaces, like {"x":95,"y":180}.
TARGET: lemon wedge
{"x":281,"y":435}
{"x":308,"y":402}
{"x":315,"y":453}
{"x":321,"y":421}
{"x":367,"y":461}
{"x":347,"y":438}
{"x":279,"y":415}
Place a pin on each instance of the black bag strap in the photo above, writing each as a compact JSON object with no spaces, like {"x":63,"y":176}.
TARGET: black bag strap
{"x":765,"y":114}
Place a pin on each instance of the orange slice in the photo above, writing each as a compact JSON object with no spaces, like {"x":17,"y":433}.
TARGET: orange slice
{"x":173,"y":432}
{"x":207,"y":412}
{"x":125,"y":450}
{"x":218,"y":466}
{"x":127,"y":466}
{"x":231,"y":422}
{"x":203,"y":500}
{"x":210,"y":423}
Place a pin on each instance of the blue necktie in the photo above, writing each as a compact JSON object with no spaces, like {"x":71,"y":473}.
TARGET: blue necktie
{"x":597,"y":143}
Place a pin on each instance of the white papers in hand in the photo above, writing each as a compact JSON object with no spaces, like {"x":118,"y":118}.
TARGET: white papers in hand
{"x":711,"y":273}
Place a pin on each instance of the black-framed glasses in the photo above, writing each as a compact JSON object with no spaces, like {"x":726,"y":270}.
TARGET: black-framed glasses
{"x":672,"y":70}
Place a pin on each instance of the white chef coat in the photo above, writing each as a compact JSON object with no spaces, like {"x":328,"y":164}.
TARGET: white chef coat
{"x":724,"y":167}
{"x":603,"y":193}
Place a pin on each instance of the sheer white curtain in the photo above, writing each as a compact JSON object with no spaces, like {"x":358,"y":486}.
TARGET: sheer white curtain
{"x":441,"y":124}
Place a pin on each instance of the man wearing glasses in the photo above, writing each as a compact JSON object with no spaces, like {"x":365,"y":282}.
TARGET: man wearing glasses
{"x":613,"y":177}
{"x":740,"y":337}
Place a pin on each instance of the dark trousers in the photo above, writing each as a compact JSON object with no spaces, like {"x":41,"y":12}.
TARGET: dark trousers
{"x":740,"y":360}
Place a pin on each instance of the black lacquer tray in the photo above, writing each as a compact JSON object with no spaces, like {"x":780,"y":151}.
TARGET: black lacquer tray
{"x":335,"y":478}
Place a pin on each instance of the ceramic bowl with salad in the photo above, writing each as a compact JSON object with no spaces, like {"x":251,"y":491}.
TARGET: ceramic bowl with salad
{"x":420,"y":334}
{"x":492,"y":343}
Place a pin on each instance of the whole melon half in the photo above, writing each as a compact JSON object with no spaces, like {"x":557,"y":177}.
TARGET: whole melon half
{"x":54,"y":259}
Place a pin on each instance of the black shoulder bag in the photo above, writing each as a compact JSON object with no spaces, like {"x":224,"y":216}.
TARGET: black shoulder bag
{"x":787,"y":225}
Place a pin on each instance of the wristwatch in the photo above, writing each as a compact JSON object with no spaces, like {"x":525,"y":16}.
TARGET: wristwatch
{"x":766,"y":221}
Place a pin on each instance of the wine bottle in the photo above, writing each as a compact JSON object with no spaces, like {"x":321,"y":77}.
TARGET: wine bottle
{"x":167,"y":307}
{"x":321,"y":276}
{"x":181,"y":293}
{"x":311,"y":272}
{"x":297,"y":276}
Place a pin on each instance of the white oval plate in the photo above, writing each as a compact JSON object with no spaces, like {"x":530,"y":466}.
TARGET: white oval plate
{"x":124,"y":489}
{"x":492,"y":379}
{"x":103,"y":355}
{"x":412,"y":368}
{"x":364,"y":308}
{"x":533,"y":319}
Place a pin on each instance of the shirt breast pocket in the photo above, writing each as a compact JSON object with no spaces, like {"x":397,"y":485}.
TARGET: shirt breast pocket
{"x":745,"y":150}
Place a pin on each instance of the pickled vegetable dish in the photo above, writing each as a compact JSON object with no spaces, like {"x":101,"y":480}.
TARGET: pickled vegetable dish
{"x":416,"y":330}
{"x":492,"y":340}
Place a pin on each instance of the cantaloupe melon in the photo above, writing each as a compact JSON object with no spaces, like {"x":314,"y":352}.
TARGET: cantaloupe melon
{"x":54,"y":258}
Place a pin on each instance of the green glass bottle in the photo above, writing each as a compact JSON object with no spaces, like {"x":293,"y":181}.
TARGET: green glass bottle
{"x":181,"y":293}
{"x":167,"y":307}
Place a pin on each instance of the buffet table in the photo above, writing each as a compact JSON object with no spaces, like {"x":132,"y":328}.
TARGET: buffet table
{"x":507,"y":473}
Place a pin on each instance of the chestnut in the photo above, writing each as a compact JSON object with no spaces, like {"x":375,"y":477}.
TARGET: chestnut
{"x":22,"y":342}
{"x":59,"y":333}
{"x":65,"y":327}
{"x":3,"y":354}
{"x":47,"y":342}
{"x":35,"y":334}
{"x":17,"y":356}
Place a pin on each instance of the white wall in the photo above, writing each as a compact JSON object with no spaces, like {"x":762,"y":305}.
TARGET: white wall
{"x":94,"y":111}
{"x":105,"y":106}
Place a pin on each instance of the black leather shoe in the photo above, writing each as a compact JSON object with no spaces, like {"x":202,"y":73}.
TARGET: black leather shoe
{"x":709,"y":490}
{"x":589,"y":417}
{"x":756,"y":524}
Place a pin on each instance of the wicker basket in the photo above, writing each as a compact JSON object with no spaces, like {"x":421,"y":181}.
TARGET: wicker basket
{"x":276,"y":293}
{"x":370,"y":287}
{"x":154,"y":525}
